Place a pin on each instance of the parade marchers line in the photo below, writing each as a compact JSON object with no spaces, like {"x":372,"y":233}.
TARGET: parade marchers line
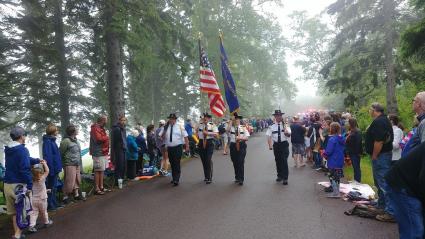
{"x":259,"y":209}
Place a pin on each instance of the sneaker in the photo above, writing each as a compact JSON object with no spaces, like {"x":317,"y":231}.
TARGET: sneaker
{"x":66,"y":201}
{"x":48,"y":224}
{"x":32,"y":230}
{"x":329,"y":189}
{"x":385,"y":218}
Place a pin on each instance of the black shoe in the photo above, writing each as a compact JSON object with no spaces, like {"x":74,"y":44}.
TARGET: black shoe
{"x":329,"y":189}
{"x":236,"y":181}
{"x":175,"y":184}
{"x":285,"y":182}
{"x":172,"y":182}
{"x":205,"y":180}
{"x":279,"y":179}
{"x":240,"y":183}
{"x":208,"y":181}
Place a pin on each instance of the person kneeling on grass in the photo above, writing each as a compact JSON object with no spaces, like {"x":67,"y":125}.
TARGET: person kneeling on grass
{"x":39,"y":196}
{"x":18,"y":172}
{"x":335,"y":156}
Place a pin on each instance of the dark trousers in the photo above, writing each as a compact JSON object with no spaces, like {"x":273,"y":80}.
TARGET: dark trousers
{"x":175,"y":155}
{"x":131,"y":169}
{"x":355,"y":161}
{"x":52,"y":183}
{"x":317,"y":160}
{"x":238,"y":159}
{"x":206,"y":157}
{"x":192,"y":145}
{"x":119,"y":157}
{"x":281,"y":153}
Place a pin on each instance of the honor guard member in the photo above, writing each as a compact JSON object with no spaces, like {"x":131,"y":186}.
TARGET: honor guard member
{"x":238,"y":136}
{"x":278,"y":136}
{"x":175,"y":136}
{"x":207,"y":131}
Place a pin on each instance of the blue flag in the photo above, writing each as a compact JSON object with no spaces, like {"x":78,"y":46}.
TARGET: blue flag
{"x":229,"y":84}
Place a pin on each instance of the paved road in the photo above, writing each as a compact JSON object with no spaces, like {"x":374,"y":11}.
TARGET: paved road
{"x":260,"y":209}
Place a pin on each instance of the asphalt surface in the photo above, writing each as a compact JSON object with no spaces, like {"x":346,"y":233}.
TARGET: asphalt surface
{"x":261,"y":208}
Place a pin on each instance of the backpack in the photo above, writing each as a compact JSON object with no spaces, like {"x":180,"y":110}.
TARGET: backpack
{"x":221,"y":129}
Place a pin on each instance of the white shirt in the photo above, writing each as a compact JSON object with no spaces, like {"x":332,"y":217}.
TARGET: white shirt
{"x":179,"y":133}
{"x":398,"y":136}
{"x":273,"y":132}
{"x":242,"y":131}
{"x":211,"y":128}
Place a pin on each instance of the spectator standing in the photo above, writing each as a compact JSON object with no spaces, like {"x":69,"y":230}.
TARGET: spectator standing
{"x":419,"y":108}
{"x":335,"y":155}
{"x":297,"y":140}
{"x":71,"y":160}
{"x":39,"y":196}
{"x":99,"y":149}
{"x":315,"y":141}
{"x":119,"y":146}
{"x":162,"y":148}
{"x":379,"y":145}
{"x":398,"y":136}
{"x":143,"y":149}
{"x":407,"y":192}
{"x":152,"y":149}
{"x":18,"y":172}
{"x":53,"y":158}
{"x":354,"y":148}
{"x":132,"y":154}
{"x":224,"y":135}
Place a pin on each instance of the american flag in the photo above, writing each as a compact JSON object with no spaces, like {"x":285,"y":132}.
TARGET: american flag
{"x":209,"y":85}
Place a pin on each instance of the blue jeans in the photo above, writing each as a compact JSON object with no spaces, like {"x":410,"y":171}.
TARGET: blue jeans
{"x":52,"y":183}
{"x":317,"y":160}
{"x":380,"y":168}
{"x":355,"y":161}
{"x":409,"y":214}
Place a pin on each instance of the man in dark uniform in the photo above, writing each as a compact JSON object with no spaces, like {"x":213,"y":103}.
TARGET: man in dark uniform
{"x":278,"y":136}
{"x":207,"y":131}
{"x":238,"y":136}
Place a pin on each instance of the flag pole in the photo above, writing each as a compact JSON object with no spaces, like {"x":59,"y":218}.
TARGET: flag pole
{"x":200,"y":92}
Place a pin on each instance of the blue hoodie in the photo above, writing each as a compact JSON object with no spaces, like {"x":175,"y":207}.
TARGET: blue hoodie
{"x":18,"y":164}
{"x":52,"y":155}
{"x":335,"y":152}
{"x":132,"y":148}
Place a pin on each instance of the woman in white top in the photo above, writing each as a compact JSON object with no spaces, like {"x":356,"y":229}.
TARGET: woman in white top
{"x":398,"y":136}
{"x":238,"y":136}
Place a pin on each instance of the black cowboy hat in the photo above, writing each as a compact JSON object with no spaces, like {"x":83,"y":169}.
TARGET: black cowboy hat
{"x":278,"y":112}
{"x":172,"y":116}
{"x":237,"y":116}
{"x":207,"y":115}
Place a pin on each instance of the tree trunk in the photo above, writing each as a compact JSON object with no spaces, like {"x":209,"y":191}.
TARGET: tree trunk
{"x":390,"y":13}
{"x":114,"y":64}
{"x":62,"y":77}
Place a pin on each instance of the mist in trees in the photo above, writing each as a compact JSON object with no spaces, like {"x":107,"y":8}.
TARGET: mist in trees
{"x":69,"y":61}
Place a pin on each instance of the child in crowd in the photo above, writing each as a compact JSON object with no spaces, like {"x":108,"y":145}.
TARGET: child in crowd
{"x":39,"y":196}
{"x":335,"y":155}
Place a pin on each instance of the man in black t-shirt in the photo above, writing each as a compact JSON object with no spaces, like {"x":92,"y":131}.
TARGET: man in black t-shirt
{"x":378,"y":143}
{"x":297,"y":140}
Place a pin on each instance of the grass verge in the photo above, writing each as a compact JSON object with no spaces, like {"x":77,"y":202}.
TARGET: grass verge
{"x":366,"y":169}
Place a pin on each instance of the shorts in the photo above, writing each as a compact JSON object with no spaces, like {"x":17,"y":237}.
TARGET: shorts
{"x":99,"y":163}
{"x":9,"y":193}
{"x":225,"y":138}
{"x":298,"y":149}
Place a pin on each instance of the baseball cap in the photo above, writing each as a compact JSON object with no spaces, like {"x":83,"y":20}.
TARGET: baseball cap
{"x":17,"y":132}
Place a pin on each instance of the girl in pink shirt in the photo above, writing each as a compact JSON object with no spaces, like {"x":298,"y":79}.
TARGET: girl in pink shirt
{"x":39,"y":196}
